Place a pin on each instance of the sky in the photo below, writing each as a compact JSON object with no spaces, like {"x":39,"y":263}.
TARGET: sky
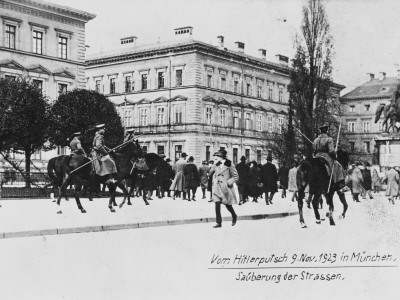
{"x":366,"y":32}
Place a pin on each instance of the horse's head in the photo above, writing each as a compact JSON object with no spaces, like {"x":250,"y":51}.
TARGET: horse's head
{"x":131,"y":149}
{"x":343,"y":157}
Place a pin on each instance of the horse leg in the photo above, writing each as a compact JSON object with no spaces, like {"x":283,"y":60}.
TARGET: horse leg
{"x":144,"y":196}
{"x":300,"y":206}
{"x":329,"y":201}
{"x":315,"y":202}
{"x":345,"y":206}
{"x":78,"y":188}
{"x":111,"y":189}
{"x":61,"y":191}
{"x":123,"y":188}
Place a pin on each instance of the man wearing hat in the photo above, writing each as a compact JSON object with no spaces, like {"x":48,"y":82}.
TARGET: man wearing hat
{"x":243,"y":170}
{"x":324,"y":147}
{"x":269,"y":177}
{"x":225,"y":175}
{"x":75,"y":145}
{"x":204,"y":169}
{"x":104,"y":164}
{"x":163,"y":177}
{"x":178,"y":184}
{"x":129,"y":134}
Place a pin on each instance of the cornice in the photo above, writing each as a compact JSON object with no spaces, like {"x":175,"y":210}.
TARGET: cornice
{"x":345,"y":99}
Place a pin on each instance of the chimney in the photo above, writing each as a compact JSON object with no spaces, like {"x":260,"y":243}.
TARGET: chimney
{"x":382,"y":76}
{"x":239,"y":47}
{"x":130,"y":41}
{"x":281,"y":59}
{"x":370,"y":77}
{"x":184,"y":32}
{"x":220,"y":41}
{"x":262,"y":53}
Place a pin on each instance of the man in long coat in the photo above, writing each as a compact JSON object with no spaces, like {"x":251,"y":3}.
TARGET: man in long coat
{"x":203,"y":173}
{"x":269,"y":176}
{"x":393,"y":180}
{"x":223,"y":192}
{"x":76,"y":146}
{"x":283,"y":175}
{"x":357,"y":181}
{"x":178,"y":184}
{"x":243,"y":170}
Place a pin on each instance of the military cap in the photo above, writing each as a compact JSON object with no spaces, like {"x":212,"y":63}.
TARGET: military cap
{"x":100,"y":126}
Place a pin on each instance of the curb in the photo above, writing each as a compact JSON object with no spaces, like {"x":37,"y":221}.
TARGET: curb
{"x":100,"y":228}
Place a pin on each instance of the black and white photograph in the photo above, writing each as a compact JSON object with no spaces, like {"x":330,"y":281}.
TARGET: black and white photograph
{"x":199,"y":149}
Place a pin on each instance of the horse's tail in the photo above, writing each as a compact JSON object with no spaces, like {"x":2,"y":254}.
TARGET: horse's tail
{"x":50,"y":170}
{"x":378,"y":112}
{"x":303,"y":174}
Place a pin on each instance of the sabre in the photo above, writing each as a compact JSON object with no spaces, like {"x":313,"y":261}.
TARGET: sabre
{"x":304,"y":135}
{"x":333,"y":165}
{"x":92,"y":160}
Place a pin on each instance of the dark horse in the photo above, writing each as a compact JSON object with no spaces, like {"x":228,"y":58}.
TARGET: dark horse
{"x":143,"y":172}
{"x":85,"y":174}
{"x":312,"y":172}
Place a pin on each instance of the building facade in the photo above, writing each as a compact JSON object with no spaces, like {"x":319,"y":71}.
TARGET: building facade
{"x":193,"y":97}
{"x":44,"y":42}
{"x":358,"y":113}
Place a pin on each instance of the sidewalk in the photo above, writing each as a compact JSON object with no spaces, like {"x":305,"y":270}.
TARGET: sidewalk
{"x":21,"y":218}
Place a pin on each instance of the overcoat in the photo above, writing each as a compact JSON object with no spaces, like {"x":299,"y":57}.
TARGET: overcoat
{"x":376,"y":180}
{"x":367,"y":180}
{"x":178,"y":184}
{"x":224,"y":177}
{"x":191,"y":174}
{"x":254,"y":182}
{"x":163,"y":175}
{"x":243,"y":170}
{"x":283,"y":176}
{"x":392,"y":178}
{"x":103,"y":165}
{"x":292,"y":180}
{"x":357,"y":180}
{"x":203,"y":173}
{"x":269,"y":177}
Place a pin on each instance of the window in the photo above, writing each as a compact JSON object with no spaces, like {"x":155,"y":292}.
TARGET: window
{"x":247,"y":121}
{"x":208,"y":115}
{"x":9,"y":77}
{"x":160,"y":116}
{"x":259,"y":122}
{"x":366,"y":106}
{"x":352,"y":108}
{"x":235,"y":119}
{"x":37,"y":154}
{"x":178,"y":151}
{"x":366,"y":126}
{"x":367,"y":147}
{"x":223,"y":82}
{"x":10,"y":36}
{"x":259,"y":89}
{"x":160,"y":150}
{"x":269,"y":123}
{"x":352,"y":146}
{"x":235,"y":156}
{"x":247,"y":154}
{"x":280,"y":94}
{"x":178,"y":114}
{"x":38,"y":84}
{"x":143,"y":117}
{"x":144,"y":149}
{"x":178,"y":78}
{"x":259,"y":156}
{"x":270,"y":90}
{"x":208,"y":153}
{"x":161,"y":80}
{"x":62,"y":47}
{"x":62,"y":88}
{"x":236,"y":86}
{"x":128,"y":118}
{"x":112,"y":85}
{"x":144,"y":81}
{"x":209,"y":80}
{"x":280,"y":124}
{"x":248,"y":89}
{"x":37,"y":42}
{"x":128,"y":84}
{"x":380,"y":126}
{"x":222,"y":116}
{"x":97,"y":87}
{"x":350,"y":126}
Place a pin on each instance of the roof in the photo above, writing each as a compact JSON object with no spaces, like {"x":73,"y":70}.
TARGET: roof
{"x":374,"y":89}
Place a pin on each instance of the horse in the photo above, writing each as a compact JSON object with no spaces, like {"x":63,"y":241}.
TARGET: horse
{"x":79,"y":170}
{"x":143,"y":174}
{"x":312,"y":172}
{"x":391,"y":113}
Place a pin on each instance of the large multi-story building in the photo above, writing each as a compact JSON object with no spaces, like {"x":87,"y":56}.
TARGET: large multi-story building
{"x":193,"y":97}
{"x":358,"y":112}
{"x":46,"y":43}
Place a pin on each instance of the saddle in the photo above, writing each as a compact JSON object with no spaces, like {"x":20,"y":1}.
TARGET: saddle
{"x":140,"y":164}
{"x":323,"y":163}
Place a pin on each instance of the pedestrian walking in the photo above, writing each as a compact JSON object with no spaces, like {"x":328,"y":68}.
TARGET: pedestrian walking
{"x":392,"y":180}
{"x":292,"y":185}
{"x":367,"y":181}
{"x":255,"y":189}
{"x":204,"y":169}
{"x":223,"y":192}
{"x":210,"y":177}
{"x":243,"y":170}
{"x":269,"y":177}
{"x":357,"y":181}
{"x":283,"y":175}
{"x":376,"y":181}
{"x":178,"y":184}
{"x":192,"y":178}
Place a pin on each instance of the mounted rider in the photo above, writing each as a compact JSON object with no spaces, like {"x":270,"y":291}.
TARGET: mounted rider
{"x":324,"y":148}
{"x":103,"y":163}
{"x":76,"y":146}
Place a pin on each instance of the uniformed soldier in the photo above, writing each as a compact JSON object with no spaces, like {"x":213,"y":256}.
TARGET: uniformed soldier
{"x":104,"y":165}
{"x":75,"y":145}
{"x":129,"y":134}
{"x":324,"y":148}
